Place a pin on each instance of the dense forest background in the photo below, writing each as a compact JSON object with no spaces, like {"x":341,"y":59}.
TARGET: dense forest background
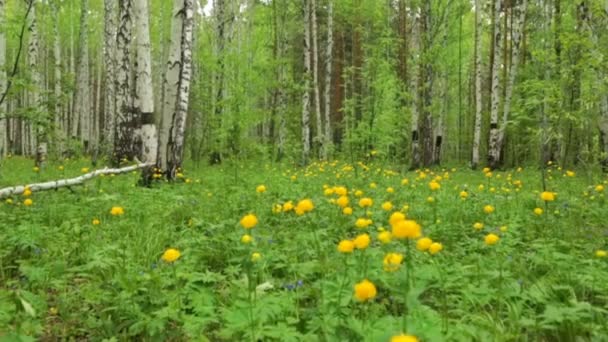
{"x":498,"y":83}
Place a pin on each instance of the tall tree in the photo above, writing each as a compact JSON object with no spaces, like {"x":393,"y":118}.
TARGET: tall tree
{"x":494,"y":148}
{"x":36,"y":131}
{"x":478,"y":90}
{"x":58,"y":110}
{"x":425,"y":121}
{"x":306,"y":90}
{"x":327,"y":95}
{"x":3,"y":126}
{"x":82,"y":102}
{"x":109,"y":89}
{"x":178,"y":123}
{"x":123,"y":139}
{"x":319,"y":136}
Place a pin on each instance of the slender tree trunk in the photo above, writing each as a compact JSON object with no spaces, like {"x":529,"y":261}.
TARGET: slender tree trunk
{"x":171,"y":83}
{"x":478,"y":90}
{"x":82,"y":107}
{"x":415,"y":89}
{"x":328,"y":63}
{"x":144,"y":95}
{"x":58,"y":110}
{"x":3,"y":84}
{"x":37,"y":142}
{"x":124,"y":130}
{"x":306,"y":91}
{"x":520,"y":13}
{"x":425,"y":123}
{"x":494,"y":148}
{"x":319,"y":136}
{"x":109,"y":53}
{"x":176,"y":135}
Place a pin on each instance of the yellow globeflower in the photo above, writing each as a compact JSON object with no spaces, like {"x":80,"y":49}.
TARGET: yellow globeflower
{"x":365,"y":290}
{"x":570,"y":173}
{"x":27,"y":192}
{"x":390,"y":190}
{"x":117,"y":211}
{"x":538,"y":211}
{"x":347,"y":211}
{"x":599,"y":188}
{"x":385,"y":237}
{"x":488,"y":209}
{"x":249,"y":221}
{"x":491,"y":239}
{"x":433,"y":185}
{"x":358,"y":193}
{"x":404,"y":338}
{"x":277,"y":208}
{"x":392,"y":262}
{"x":363,"y":223}
{"x":486,"y":170}
{"x":28,"y":202}
{"x":328,"y":191}
{"x":343,"y":201}
{"x":406,"y":229}
{"x":246,"y":239}
{"x":36,"y":169}
{"x":260,"y":189}
{"x":304,"y":206}
{"x":362,"y":241}
{"x":287,"y":206}
{"x":601,"y":253}
{"x":430,"y":199}
{"x":396,"y":217}
{"x":340,"y":191}
{"x":464,"y":194}
{"x":478,"y":225}
{"x":365,"y":202}
{"x":84,"y":170}
{"x":435,"y":248}
{"x":171,"y":255}
{"x":256,"y":256}
{"x":547,"y":196}
{"x":346,"y":246}
{"x":424,"y":244}
{"x":96,"y":222}
{"x":387,"y":206}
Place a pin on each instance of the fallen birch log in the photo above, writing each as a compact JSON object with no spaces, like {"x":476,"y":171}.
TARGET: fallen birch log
{"x":18,"y":190}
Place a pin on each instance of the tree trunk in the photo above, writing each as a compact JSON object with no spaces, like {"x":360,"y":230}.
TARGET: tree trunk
{"x":478,"y":90}
{"x":176,"y":132}
{"x":82,"y":101}
{"x":425,"y":122}
{"x":494,"y":148}
{"x":58,"y":110}
{"x":109,"y":53}
{"x":123,"y":139}
{"x":306,"y":91}
{"x":3,"y":84}
{"x":37,"y":143}
{"x":144,"y":94}
{"x":328,"y":63}
{"x":319,"y":136}
{"x":520,"y":13}
{"x":414,"y":89}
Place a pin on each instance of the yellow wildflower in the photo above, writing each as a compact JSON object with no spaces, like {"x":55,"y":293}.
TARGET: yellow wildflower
{"x":28,"y":202}
{"x":365,"y":290}
{"x":365,"y":202}
{"x":406,"y":229}
{"x":171,"y":255}
{"x":435,"y":248}
{"x":346,"y":246}
{"x":260,"y":189}
{"x":362,"y":241}
{"x":387,"y":206}
{"x":249,"y":221}
{"x":491,"y":239}
{"x":385,"y":237}
{"x":246,"y":239}
{"x":547,"y":196}
{"x":117,"y":211}
{"x":404,"y":338}
{"x":392,"y":262}
{"x":488,"y":209}
{"x":424,"y":244}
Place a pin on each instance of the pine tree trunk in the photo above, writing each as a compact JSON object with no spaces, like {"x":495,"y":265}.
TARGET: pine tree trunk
{"x":519,"y":13}
{"x":170,"y":84}
{"x":176,"y":136}
{"x":123,"y":139}
{"x":306,"y":92}
{"x":3,"y":106}
{"x":144,"y":94}
{"x":109,"y":53}
{"x":478,"y":90}
{"x":494,"y":148}
{"x":328,"y":62}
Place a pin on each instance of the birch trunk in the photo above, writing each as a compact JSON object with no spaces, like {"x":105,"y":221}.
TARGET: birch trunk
{"x":109,"y":53}
{"x":328,"y":63}
{"x":58,"y":110}
{"x":494,"y":148}
{"x":123,"y":139}
{"x":425,"y":123}
{"x":603,"y":124}
{"x":478,"y":90}
{"x":144,"y":98}
{"x":306,"y":92}
{"x":320,"y":136}
{"x":414,"y":86}
{"x":37,"y":142}
{"x":176,"y":136}
{"x":519,"y":14}
{"x":170,"y":84}
{"x":3,"y":84}
{"x":82,"y":102}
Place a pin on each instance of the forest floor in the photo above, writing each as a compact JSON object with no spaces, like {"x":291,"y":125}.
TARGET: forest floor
{"x":506,"y":262}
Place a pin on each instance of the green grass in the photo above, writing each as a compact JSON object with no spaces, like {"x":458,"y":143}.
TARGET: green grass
{"x":61,"y":277}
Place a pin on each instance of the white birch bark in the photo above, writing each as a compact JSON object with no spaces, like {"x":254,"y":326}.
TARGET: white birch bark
{"x":178,"y":126}
{"x":144,"y":95}
{"x":109,"y":53}
{"x":494,"y":148}
{"x":58,"y":110}
{"x":3,"y":106}
{"x":478,"y":90}
{"x":170,"y":83}
{"x":123,"y":139}
{"x":414,"y":86}
{"x":306,"y":91}
{"x":82,"y":101}
{"x":328,"y":63}
{"x":37,"y":143}
{"x":319,"y":137}
{"x":520,"y":14}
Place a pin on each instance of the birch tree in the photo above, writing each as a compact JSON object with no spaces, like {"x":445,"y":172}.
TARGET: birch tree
{"x":109,"y":53}
{"x":35,"y":130}
{"x":82,"y":101}
{"x":178,"y":124}
{"x":494,"y":148}
{"x":123,"y":139}
{"x":328,"y":70}
{"x":425,"y":122}
{"x":478,"y":90}
{"x":306,"y":91}
{"x":144,"y":94}
{"x":3,"y":120}
{"x":319,"y":137}
{"x":58,"y":110}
